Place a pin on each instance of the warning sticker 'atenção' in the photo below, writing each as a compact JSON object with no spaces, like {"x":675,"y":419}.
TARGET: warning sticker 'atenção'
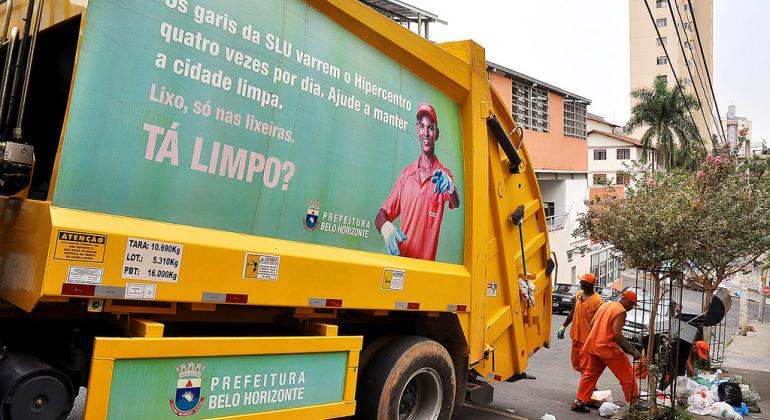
{"x":80,"y":246}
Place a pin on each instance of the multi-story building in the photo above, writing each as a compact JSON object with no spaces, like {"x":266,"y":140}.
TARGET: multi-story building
{"x":613,"y":157}
{"x":648,"y":59}
{"x":555,"y":132}
{"x":738,"y":131}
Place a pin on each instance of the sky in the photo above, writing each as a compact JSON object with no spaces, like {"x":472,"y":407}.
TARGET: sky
{"x":582,"y":46}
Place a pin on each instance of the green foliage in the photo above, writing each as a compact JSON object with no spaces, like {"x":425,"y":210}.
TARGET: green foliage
{"x":714,"y":221}
{"x":665,"y":112}
{"x":646,"y":226}
{"x":665,"y":413}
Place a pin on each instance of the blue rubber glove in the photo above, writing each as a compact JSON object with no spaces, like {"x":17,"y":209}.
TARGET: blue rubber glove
{"x":392,"y":236}
{"x":443,"y":182}
{"x":560,"y":333}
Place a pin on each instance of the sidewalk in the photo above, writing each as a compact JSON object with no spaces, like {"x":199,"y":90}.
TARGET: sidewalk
{"x":749,"y":356}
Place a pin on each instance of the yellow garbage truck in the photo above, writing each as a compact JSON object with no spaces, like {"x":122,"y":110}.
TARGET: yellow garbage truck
{"x":273,"y":209}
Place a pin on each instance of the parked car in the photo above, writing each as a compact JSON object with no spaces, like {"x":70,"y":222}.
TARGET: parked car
{"x":638,"y":319}
{"x":608,"y":294}
{"x":564,"y":297}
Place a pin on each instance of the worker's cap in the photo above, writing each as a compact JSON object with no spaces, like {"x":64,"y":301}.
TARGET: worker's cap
{"x":426,"y":108}
{"x":588,"y":277}
{"x":630,"y":295}
{"x":703,"y":349}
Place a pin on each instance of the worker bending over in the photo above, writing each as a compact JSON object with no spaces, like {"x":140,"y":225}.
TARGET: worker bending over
{"x":604,"y":348}
{"x":587,"y":302}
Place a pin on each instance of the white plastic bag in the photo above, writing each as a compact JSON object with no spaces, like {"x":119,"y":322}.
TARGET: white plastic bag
{"x":699,"y":403}
{"x":745,"y":391}
{"x":723,"y":410}
{"x":547,"y":416}
{"x":608,"y":409}
{"x":602,"y":396}
{"x":686,"y":387}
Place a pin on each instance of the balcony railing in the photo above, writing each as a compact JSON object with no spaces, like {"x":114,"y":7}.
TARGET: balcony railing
{"x":556,"y":222}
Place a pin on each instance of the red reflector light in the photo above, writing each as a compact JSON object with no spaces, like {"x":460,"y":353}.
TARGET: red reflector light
{"x":412,"y":305}
{"x":236,"y":298}
{"x":334,"y":303}
{"x":78,"y":289}
{"x":462,"y":308}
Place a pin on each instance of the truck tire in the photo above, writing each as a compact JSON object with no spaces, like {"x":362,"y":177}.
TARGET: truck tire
{"x":411,"y":378}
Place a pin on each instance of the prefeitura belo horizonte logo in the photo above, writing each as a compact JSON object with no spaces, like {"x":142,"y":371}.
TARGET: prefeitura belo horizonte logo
{"x":188,"y":399}
{"x":311,"y":218}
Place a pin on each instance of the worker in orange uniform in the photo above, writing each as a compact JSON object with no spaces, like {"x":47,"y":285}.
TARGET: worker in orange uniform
{"x":604,"y":348}
{"x":587,"y":302}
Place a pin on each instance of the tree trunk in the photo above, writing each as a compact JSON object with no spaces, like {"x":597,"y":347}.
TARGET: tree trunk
{"x":708,"y":295}
{"x":651,"y":379}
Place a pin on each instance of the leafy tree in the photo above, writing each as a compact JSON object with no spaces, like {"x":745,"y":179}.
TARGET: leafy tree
{"x":665,"y":113}
{"x":648,"y":227}
{"x":731,"y":211}
{"x":715,"y":222}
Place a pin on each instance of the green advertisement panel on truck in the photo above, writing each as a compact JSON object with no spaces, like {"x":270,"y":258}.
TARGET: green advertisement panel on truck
{"x":264,"y":210}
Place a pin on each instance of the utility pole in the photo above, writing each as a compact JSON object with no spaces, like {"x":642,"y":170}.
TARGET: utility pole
{"x":743,"y":322}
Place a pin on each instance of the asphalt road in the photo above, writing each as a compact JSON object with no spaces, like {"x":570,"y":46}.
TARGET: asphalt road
{"x":556,"y":383}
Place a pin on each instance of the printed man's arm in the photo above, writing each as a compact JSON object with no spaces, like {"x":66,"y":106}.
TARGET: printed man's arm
{"x":380,"y":219}
{"x":454,"y":199}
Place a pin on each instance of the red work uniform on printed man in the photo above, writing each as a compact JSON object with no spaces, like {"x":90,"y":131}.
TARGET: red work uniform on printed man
{"x":602,"y":351}
{"x":582,"y":314}
{"x":420,"y":208}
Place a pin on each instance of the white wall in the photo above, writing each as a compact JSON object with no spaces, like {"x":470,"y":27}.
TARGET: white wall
{"x":569,"y":197}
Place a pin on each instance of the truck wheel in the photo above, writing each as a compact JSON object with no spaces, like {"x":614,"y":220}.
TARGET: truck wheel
{"x":410,"y":379}
{"x":30,"y":389}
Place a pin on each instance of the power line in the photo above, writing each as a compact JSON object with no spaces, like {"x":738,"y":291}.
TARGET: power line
{"x":705,"y":64}
{"x":681,"y":47}
{"x":717,"y":122}
{"x":668,"y":58}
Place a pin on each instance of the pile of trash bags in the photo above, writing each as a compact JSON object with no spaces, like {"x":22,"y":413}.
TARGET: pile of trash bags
{"x":724,"y":398}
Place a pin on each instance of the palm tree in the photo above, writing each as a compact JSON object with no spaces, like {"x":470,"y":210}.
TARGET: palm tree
{"x":665,"y":113}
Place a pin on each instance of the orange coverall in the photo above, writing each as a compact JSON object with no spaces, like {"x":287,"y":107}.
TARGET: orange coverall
{"x":602,"y":351}
{"x":582,"y":315}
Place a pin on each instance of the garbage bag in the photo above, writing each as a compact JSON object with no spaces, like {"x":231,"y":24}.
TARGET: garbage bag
{"x":686,"y":387}
{"x":730,"y":392}
{"x":547,"y":416}
{"x":608,"y":409}
{"x":699,"y":403}
{"x":723,"y":410}
{"x":602,"y":396}
{"x":640,"y":369}
{"x":742,"y":410}
{"x":745,"y":391}
{"x":754,"y":398}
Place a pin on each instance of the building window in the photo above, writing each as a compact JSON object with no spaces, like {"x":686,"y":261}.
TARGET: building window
{"x":600,"y":154}
{"x":687,"y":26}
{"x":550,"y":208}
{"x":606,"y":265}
{"x":539,"y":115}
{"x":600,"y":179}
{"x":662,"y":60}
{"x":622,"y":179}
{"x":530,"y":106}
{"x":661,"y":41}
{"x":624,"y":154}
{"x":661,"y":22}
{"x":574,"y":118}
{"x":662,"y":77}
{"x":660,"y":4}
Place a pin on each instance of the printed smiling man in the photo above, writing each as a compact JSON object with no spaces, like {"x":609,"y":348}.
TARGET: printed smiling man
{"x":418,"y":197}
